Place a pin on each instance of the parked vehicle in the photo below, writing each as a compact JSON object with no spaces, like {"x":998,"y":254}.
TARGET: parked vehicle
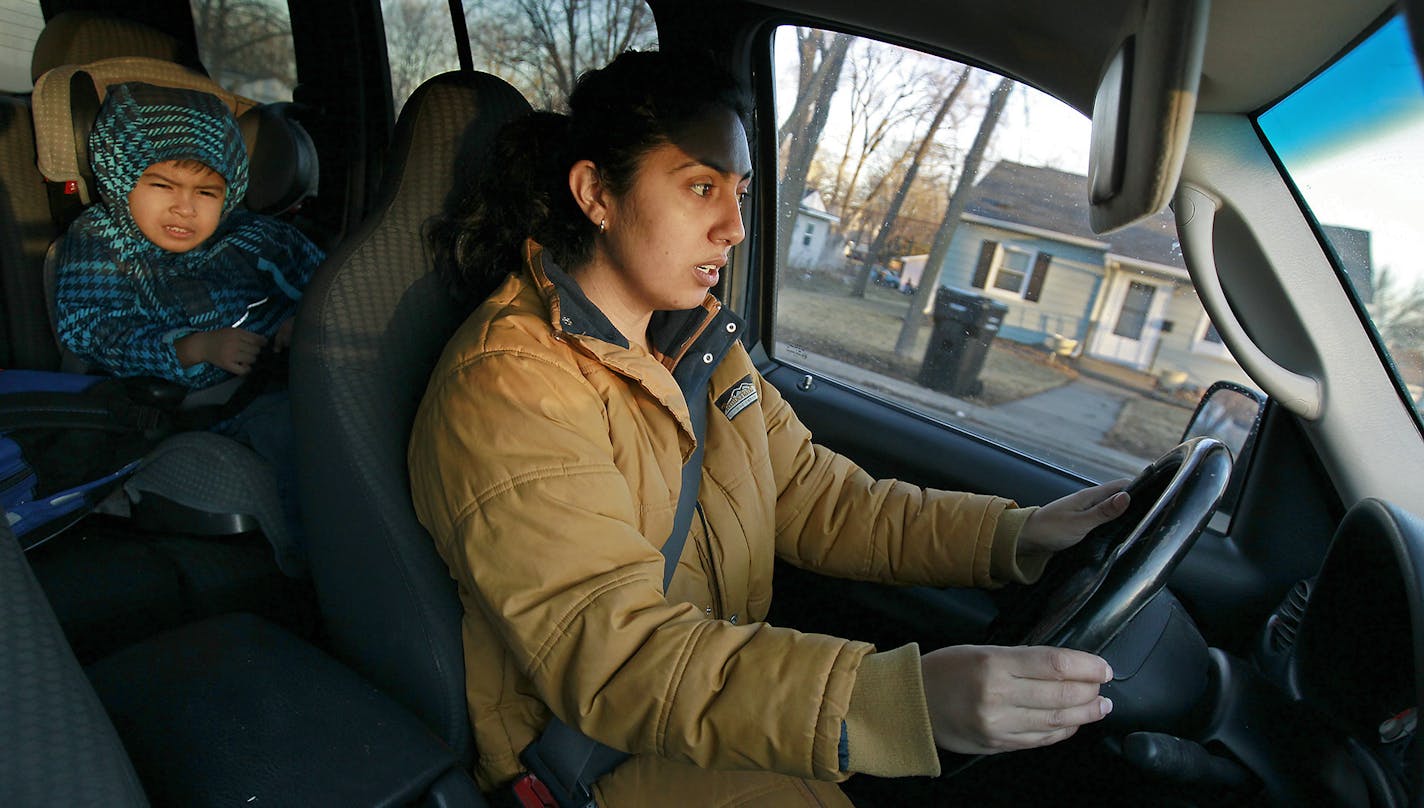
{"x":1186,"y":192}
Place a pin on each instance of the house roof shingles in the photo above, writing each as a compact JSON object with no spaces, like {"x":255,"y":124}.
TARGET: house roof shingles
{"x":1049,"y":199}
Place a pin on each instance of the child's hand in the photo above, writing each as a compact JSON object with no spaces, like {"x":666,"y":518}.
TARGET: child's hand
{"x":282,"y":340}
{"x":231,"y":349}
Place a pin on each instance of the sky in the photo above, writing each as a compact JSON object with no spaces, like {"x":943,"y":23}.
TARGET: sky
{"x":1352,"y":139}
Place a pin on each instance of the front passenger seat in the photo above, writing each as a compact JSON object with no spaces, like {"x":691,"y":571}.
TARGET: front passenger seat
{"x":373,"y":323}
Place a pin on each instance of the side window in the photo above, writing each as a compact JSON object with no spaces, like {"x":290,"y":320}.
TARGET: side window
{"x":953,"y":271}
{"x":20,"y":24}
{"x":246,"y":45}
{"x":540,"y":48}
{"x":1352,"y":141}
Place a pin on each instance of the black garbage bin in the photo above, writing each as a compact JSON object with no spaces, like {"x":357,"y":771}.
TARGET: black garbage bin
{"x":964,"y":325}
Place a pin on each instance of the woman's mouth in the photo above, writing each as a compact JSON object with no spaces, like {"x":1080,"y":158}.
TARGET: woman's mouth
{"x":177,"y":232}
{"x":707,"y":274}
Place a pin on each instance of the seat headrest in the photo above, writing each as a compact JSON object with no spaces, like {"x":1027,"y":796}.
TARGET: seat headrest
{"x":283,"y":165}
{"x":80,"y":37}
{"x":282,"y":157}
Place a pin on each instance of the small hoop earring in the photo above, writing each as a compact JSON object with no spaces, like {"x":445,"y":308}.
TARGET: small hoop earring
{"x":603,"y":225}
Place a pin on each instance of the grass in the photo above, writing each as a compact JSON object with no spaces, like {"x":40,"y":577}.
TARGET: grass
{"x":818,"y":314}
{"x":1148,"y":427}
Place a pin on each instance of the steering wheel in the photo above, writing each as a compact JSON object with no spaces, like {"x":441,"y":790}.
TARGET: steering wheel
{"x":1091,"y":591}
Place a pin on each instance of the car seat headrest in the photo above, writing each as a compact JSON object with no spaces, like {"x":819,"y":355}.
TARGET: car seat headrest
{"x":282,"y":157}
{"x":80,"y":37}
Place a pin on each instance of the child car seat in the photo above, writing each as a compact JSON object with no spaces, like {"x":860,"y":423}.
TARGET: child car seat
{"x":114,"y":589}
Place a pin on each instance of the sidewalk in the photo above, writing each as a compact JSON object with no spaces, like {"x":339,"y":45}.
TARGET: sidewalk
{"x":1062,"y":426}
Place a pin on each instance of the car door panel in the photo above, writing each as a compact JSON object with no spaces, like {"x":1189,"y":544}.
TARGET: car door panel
{"x":890,"y":442}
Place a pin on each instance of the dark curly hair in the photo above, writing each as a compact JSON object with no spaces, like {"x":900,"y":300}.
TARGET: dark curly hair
{"x":617,"y":114}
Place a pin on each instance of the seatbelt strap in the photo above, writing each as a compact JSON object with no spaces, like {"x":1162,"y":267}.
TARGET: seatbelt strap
{"x":565,"y":761}
{"x":687,"y":497}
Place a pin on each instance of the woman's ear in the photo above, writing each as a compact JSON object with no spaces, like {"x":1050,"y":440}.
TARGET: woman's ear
{"x":588,"y":190}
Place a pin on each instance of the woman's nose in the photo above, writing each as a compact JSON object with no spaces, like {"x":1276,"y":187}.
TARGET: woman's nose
{"x":729,"y":226}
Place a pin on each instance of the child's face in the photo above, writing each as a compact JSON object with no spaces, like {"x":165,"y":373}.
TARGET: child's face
{"x":177,"y":206}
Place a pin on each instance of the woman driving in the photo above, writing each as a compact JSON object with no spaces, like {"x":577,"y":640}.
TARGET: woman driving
{"x":547,"y":461}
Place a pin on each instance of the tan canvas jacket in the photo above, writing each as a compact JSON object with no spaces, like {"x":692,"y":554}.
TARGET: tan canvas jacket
{"x":546,"y":461}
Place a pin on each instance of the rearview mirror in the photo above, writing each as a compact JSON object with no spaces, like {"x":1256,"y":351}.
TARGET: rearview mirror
{"x":1231,"y":413}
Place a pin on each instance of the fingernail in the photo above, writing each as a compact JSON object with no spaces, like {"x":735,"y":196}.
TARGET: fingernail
{"x":1105,"y":705}
{"x":1109,"y":676}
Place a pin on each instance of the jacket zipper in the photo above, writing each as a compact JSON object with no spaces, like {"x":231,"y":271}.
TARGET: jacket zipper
{"x":712,"y":580}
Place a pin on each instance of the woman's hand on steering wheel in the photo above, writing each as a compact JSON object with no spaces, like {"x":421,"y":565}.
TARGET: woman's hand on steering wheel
{"x":1064,"y":522}
{"x":985,"y":699}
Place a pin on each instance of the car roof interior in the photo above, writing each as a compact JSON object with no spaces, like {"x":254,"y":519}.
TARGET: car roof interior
{"x":1265,"y":47}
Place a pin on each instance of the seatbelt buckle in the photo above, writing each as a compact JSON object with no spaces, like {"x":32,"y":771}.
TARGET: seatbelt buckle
{"x":530,"y":792}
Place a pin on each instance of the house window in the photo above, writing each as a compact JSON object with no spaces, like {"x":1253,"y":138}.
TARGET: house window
{"x":810,"y":229}
{"x":1208,"y":339}
{"x":1134,"y":311}
{"x":1011,"y":269}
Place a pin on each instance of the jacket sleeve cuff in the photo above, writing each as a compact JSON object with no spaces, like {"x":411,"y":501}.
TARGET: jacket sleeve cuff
{"x":887,"y":726}
{"x":1007,"y":564}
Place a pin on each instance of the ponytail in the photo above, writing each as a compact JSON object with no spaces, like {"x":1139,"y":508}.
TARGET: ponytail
{"x":522,"y":194}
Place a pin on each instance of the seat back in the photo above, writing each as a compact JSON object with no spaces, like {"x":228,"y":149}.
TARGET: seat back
{"x":372,"y":325}
{"x":26,"y":230}
{"x":80,"y":37}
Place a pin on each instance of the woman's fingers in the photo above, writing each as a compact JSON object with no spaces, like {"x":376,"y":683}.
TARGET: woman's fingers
{"x":986,"y":699}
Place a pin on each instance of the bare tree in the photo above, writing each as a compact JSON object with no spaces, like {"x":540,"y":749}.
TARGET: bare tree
{"x":922,"y":148}
{"x":923,"y":301}
{"x":1398,"y":310}
{"x":418,"y":43}
{"x":814,"y":101}
{"x":875,"y":110}
{"x":542,"y":47}
{"x":247,"y":46}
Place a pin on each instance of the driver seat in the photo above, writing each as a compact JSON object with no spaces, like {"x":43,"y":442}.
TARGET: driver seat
{"x":372,"y":325}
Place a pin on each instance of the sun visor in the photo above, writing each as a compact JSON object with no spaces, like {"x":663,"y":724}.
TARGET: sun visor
{"x":1142,"y":113}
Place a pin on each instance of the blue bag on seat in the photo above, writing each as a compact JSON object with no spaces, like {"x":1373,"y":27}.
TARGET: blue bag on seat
{"x":67,"y":440}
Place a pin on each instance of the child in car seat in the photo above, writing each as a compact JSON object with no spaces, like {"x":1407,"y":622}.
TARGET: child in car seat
{"x":166,"y":275}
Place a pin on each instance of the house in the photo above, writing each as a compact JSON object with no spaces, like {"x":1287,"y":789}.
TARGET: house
{"x":811,"y":243}
{"x":1123,"y":297}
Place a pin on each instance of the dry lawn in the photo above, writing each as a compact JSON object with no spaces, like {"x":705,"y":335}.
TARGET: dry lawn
{"x":1147,"y":427}
{"x":821,"y":317}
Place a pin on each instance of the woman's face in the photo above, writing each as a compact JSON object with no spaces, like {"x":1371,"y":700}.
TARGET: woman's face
{"x":668,"y":237}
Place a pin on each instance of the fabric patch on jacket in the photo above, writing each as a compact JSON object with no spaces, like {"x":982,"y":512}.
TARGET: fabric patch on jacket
{"x":738,"y":397}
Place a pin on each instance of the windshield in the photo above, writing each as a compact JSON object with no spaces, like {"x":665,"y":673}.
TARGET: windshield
{"x":1352,"y":141}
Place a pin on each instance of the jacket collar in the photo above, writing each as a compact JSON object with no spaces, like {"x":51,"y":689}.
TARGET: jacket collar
{"x":690,"y":343}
